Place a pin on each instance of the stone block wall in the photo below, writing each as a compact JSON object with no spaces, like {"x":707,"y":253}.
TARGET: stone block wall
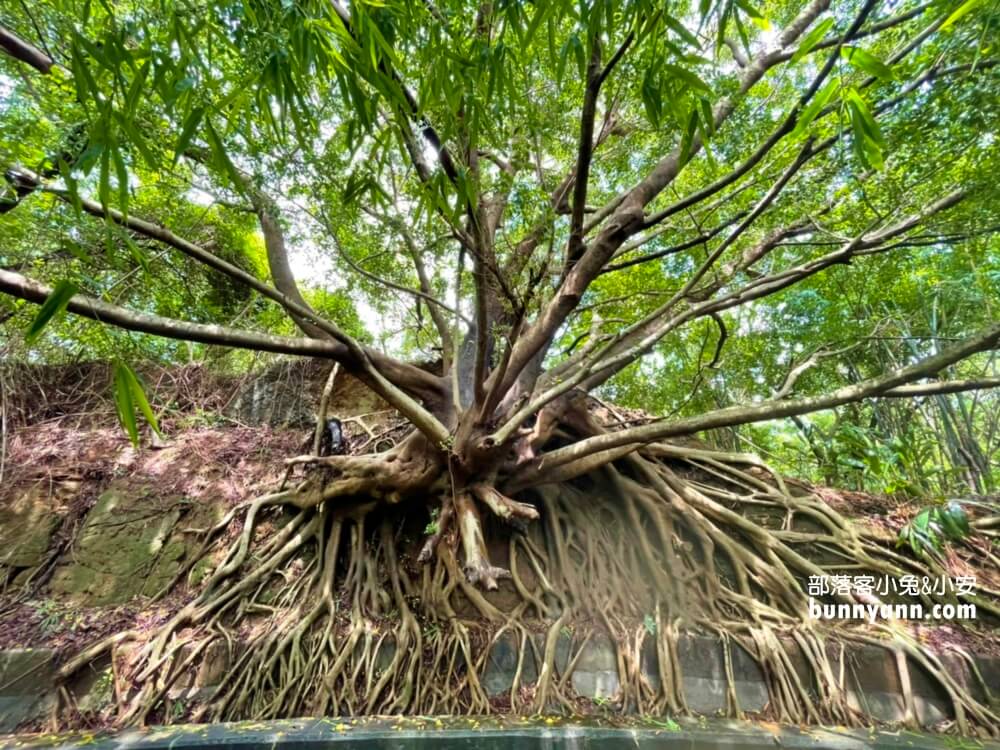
{"x":27,"y":676}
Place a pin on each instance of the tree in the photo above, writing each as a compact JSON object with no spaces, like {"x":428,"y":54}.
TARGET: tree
{"x":554,"y":194}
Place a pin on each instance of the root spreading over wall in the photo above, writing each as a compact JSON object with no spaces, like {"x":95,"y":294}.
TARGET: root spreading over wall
{"x":368,"y":596}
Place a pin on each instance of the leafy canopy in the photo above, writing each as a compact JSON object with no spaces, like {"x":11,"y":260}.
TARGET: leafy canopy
{"x":413,"y":154}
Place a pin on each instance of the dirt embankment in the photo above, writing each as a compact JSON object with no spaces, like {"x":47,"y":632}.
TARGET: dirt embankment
{"x":92,"y":528}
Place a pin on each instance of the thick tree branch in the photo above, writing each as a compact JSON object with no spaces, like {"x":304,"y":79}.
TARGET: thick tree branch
{"x":622,"y":359}
{"x":30,"y":181}
{"x":628,"y":218}
{"x":24,"y":288}
{"x":941,"y":387}
{"x":277,"y":259}
{"x":585,"y":149}
{"x":786,"y":126}
{"x":384,"y":375}
{"x":894,"y":384}
{"x":875,"y":28}
{"x":786,"y":278}
{"x":615,"y":355}
{"x":24,"y":51}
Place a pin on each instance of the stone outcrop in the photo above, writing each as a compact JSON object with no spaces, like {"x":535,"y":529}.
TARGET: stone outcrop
{"x":26,"y":686}
{"x":124,"y":549}
{"x":28,"y":523}
{"x":287,"y":395}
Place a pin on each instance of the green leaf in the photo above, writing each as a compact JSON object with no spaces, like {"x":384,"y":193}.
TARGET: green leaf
{"x":135,"y":251}
{"x":55,"y":303}
{"x":104,"y":180}
{"x":867,"y":62}
{"x":191,"y":123}
{"x":687,"y":139}
{"x":83,"y":78}
{"x":704,"y":8}
{"x":139,"y":397}
{"x":135,"y":89}
{"x":77,"y":251}
{"x":960,"y":12}
{"x":136,"y":139}
{"x":949,"y":526}
{"x":707,"y":118}
{"x":124,"y":406}
{"x":580,"y":55}
{"x":691,"y":79}
{"x":810,"y":40}
{"x":755,"y":15}
{"x":541,"y":13}
{"x":868,"y":140}
{"x":121,"y":175}
{"x":953,"y":513}
{"x":72,"y":188}
{"x":649,"y":624}
{"x":220,"y":156}
{"x":819,"y":101}
{"x":129,"y":395}
{"x":678,"y":28}
{"x":650,"y":92}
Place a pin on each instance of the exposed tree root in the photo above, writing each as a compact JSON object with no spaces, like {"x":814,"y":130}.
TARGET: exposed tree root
{"x":352,"y":607}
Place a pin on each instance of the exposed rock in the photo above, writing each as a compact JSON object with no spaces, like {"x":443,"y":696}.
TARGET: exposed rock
{"x":287,"y":395}
{"x":596,"y":673}
{"x":279,"y":397}
{"x":26,"y":686}
{"x":28,"y":522}
{"x":649,"y":664}
{"x":27,"y":677}
{"x":704,"y":673}
{"x":205,"y":673}
{"x":750,"y":685}
{"x":501,"y":665}
{"x":124,"y":549}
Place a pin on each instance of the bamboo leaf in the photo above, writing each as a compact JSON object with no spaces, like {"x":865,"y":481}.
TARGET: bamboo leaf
{"x":812,"y":110}
{"x":867,"y":62}
{"x":869,"y":143}
{"x":191,"y":123}
{"x":121,"y":175}
{"x":124,"y":405}
{"x":755,"y":15}
{"x":691,"y":79}
{"x":129,"y":395}
{"x":959,"y":13}
{"x":72,"y":187}
{"x":221,"y":157}
{"x":810,"y":40}
{"x":955,"y":513}
{"x":54,"y":304}
{"x":138,"y":140}
{"x":650,"y":92}
{"x":678,"y":28}
{"x":140,"y":400}
{"x":135,"y":89}
{"x":104,"y":179}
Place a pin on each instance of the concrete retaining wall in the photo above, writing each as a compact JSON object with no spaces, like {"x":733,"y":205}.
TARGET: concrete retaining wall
{"x":871,"y":679}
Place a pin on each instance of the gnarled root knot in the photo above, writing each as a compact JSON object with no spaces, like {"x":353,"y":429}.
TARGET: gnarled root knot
{"x":470,"y":531}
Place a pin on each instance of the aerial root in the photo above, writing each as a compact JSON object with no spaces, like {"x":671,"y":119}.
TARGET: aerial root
{"x":332,"y":614}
